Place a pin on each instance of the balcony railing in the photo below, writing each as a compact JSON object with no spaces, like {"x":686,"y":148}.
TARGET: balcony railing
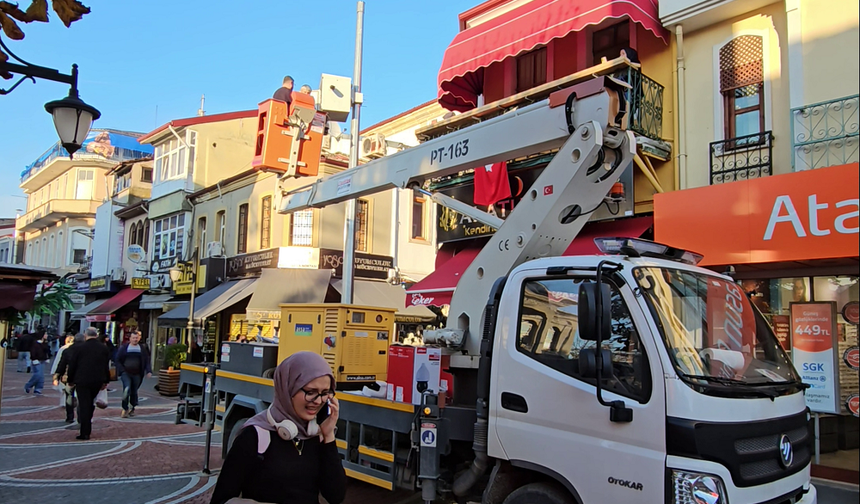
{"x":824,"y":134}
{"x":741,"y":158}
{"x":645,"y":103}
{"x":57,"y":151}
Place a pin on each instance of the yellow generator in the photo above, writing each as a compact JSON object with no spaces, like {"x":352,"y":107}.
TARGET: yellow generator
{"x":352,"y":339}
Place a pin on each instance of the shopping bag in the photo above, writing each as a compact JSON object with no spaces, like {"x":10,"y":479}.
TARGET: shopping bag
{"x":102,"y":399}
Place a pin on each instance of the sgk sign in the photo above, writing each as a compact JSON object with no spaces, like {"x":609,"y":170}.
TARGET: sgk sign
{"x":792,"y":217}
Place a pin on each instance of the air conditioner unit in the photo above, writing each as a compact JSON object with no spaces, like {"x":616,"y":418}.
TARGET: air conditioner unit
{"x":214,"y":249}
{"x":373,"y":146}
{"x":118,"y":275}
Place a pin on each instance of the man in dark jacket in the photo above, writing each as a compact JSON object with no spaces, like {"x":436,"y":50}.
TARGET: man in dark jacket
{"x":60,"y":376}
{"x":89,"y":372}
{"x":132,"y":365}
{"x":25,"y":342}
{"x":38,"y":360}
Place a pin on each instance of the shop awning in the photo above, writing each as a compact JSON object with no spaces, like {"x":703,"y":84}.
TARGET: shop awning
{"x":210,"y":302}
{"x":276,"y":286}
{"x":104,"y":312}
{"x":16,"y":295}
{"x":154,"y":301}
{"x":624,"y":228}
{"x":385,"y":295}
{"x":81,"y":313}
{"x":522,"y":29}
{"x":437,"y":288}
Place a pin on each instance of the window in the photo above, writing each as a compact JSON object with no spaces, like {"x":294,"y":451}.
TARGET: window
{"x":61,"y":248}
{"x":242,"y":239}
{"x":221,"y":218}
{"x":169,"y":237}
{"x":132,"y":234}
{"x":79,"y":256}
{"x":742,"y":87}
{"x":146,"y":236}
{"x":531,"y":69}
{"x":419,"y":220}
{"x":65,"y":185}
{"x":122,"y":182}
{"x":56,"y":185}
{"x":361,"y":211}
{"x":139,"y":237}
{"x":84,"y":189}
{"x":201,"y":236}
{"x":51,"y":246}
{"x":549,"y":334}
{"x":171,"y":158}
{"x":608,"y":42}
{"x":266,"y":222}
{"x":301,"y":228}
{"x":146,"y":175}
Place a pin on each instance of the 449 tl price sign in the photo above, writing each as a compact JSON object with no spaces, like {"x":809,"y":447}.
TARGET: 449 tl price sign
{"x":814,"y":353}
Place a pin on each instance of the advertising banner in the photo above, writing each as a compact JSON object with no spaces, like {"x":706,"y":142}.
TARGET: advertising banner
{"x":813,"y":332}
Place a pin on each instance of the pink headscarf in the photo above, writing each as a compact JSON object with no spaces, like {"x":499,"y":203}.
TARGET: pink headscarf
{"x":291,"y":376}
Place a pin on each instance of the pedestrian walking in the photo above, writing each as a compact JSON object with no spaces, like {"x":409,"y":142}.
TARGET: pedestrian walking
{"x":132,"y":366}
{"x":25,"y":342}
{"x":38,"y":359}
{"x":59,"y":370}
{"x":286,"y":444}
{"x":89,"y":372}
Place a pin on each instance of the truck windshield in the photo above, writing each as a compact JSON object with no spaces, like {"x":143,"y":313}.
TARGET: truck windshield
{"x":714,"y":335}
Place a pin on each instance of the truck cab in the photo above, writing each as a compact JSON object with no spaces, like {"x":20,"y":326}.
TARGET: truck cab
{"x":716,"y":410}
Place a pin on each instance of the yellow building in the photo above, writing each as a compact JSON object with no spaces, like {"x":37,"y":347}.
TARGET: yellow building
{"x":767,"y":138}
{"x":63,"y":194}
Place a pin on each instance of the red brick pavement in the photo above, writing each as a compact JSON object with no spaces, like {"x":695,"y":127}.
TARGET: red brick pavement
{"x":148,"y":459}
{"x":105,"y":431}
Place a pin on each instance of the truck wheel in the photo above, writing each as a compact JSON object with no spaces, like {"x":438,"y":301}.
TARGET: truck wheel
{"x":234,"y":432}
{"x":539,"y":493}
{"x":269,"y":373}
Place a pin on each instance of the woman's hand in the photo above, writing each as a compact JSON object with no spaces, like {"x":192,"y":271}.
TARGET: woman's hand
{"x":327,"y":427}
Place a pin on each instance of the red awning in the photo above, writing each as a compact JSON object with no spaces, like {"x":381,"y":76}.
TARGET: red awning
{"x":104,"y":312}
{"x":437,"y":288}
{"x":17,"y":295}
{"x":626,"y":228}
{"x":522,"y":29}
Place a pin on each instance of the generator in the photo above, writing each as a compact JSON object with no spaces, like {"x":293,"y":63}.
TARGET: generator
{"x":352,"y":339}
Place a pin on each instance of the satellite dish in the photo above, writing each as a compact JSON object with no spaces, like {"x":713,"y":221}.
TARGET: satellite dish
{"x":334,"y":130}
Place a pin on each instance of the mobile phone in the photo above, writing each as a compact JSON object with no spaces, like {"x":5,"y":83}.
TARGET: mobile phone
{"x":323,"y":413}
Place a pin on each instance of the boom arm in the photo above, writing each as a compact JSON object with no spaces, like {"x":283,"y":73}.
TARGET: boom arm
{"x":589,"y":161}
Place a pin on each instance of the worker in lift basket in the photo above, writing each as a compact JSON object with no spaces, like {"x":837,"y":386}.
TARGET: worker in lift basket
{"x":285,"y":92}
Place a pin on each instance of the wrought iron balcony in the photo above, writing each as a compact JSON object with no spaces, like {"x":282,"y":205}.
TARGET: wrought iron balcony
{"x":824,"y":134}
{"x":645,"y":102}
{"x":741,"y":158}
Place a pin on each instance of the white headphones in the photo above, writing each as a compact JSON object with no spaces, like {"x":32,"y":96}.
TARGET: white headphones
{"x":286,"y":429}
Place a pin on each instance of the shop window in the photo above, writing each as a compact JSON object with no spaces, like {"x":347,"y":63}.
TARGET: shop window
{"x":419,"y":219}
{"x":742,"y":87}
{"x":265,"y":222}
{"x":361,"y":220}
{"x":608,"y":42}
{"x":549,"y":334}
{"x":242,"y":239}
{"x":531,"y":69}
{"x":301,"y":228}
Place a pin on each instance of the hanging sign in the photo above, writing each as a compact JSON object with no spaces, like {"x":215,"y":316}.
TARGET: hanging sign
{"x":813,"y":332}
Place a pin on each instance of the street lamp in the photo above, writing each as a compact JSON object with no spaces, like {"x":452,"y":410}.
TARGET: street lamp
{"x":72,"y":117}
{"x":175,"y":275}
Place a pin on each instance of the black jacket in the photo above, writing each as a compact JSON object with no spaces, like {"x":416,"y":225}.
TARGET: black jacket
{"x":122,"y":356}
{"x":65,"y":358}
{"x":25,"y":342}
{"x":38,"y":351}
{"x":89,"y":364}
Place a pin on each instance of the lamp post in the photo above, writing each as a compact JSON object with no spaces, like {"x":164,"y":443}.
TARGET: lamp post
{"x":175,"y":276}
{"x":72,"y":117}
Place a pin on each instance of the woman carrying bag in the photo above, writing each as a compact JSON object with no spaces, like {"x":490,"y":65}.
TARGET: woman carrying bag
{"x":283,"y":455}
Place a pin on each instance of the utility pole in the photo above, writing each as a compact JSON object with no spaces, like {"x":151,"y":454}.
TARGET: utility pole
{"x":349,"y":221}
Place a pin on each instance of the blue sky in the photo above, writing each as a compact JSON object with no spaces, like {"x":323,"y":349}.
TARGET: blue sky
{"x":144,"y":63}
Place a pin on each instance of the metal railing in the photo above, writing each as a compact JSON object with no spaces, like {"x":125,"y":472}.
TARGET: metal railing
{"x":58,"y":151}
{"x":645,"y":102}
{"x":825,"y":134}
{"x":741,"y":158}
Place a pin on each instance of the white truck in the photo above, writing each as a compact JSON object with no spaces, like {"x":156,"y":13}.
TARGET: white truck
{"x":633,"y":376}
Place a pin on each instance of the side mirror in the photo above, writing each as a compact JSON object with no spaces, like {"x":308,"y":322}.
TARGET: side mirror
{"x":588,"y":363}
{"x":587,"y":316}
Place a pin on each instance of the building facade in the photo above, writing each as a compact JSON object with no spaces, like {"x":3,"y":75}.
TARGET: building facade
{"x":7,"y":241}
{"x":768,"y":148}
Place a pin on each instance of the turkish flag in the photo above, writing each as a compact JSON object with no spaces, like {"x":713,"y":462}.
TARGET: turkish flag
{"x":491,"y":184}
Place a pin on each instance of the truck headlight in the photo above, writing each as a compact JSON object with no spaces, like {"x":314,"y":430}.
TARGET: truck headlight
{"x":697,"y":488}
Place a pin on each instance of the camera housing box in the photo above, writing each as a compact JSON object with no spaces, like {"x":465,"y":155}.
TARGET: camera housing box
{"x":411,"y":371}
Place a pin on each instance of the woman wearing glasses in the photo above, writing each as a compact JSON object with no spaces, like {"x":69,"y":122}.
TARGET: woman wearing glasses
{"x":286,"y":456}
